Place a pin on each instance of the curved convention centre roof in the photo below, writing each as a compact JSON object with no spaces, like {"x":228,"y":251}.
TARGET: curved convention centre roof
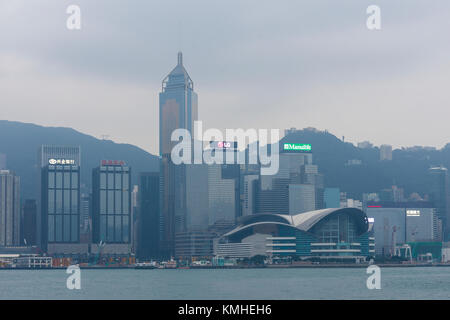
{"x":302,"y":221}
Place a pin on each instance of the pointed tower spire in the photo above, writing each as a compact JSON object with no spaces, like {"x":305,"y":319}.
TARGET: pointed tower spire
{"x":180,"y":58}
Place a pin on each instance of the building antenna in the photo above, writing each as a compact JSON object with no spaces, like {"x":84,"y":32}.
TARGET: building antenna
{"x":180,"y":36}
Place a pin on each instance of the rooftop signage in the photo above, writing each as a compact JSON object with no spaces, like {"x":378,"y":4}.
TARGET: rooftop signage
{"x":61,"y":161}
{"x":305,"y":147}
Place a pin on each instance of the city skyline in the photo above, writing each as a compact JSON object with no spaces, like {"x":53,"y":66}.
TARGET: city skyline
{"x":257,"y":149}
{"x":310,"y":70}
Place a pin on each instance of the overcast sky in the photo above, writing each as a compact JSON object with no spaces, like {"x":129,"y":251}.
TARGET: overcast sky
{"x":255,"y":64}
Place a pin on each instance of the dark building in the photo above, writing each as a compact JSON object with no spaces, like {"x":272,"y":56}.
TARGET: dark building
{"x":148,"y":220}
{"x":111,"y":203}
{"x":29,"y":222}
{"x":9,"y":209}
{"x":60,"y":202}
{"x":273,"y":196}
{"x":439,"y":195}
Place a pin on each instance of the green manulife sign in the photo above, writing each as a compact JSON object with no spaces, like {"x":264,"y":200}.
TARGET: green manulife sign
{"x":297,"y":146}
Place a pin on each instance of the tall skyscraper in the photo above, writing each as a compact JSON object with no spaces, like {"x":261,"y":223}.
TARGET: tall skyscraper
{"x":9,"y":209}
{"x":51,"y":155}
{"x":148,"y":218}
{"x":111,"y":205}
{"x":177,"y":109}
{"x":59,"y":217}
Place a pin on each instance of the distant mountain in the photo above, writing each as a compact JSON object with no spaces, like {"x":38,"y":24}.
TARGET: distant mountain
{"x":20,"y":143}
{"x":408,"y":168}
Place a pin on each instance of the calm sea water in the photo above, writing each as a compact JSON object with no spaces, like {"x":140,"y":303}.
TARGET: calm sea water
{"x":397,"y":283}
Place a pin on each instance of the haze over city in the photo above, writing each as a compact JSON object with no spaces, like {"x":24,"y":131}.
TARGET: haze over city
{"x":297,"y":64}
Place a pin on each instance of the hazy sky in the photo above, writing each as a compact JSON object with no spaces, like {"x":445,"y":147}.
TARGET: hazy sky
{"x":255,"y":64}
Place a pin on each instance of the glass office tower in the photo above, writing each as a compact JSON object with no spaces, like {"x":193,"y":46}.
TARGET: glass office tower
{"x":60,"y":199}
{"x":440,"y":196}
{"x":177,"y":109}
{"x":148,"y":243}
{"x":58,"y":162}
{"x":59,"y":216}
{"x":10,"y":219}
{"x":111,"y":202}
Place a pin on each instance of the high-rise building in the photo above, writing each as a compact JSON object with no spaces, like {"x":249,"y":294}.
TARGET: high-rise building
{"x":51,"y":154}
{"x":177,"y":109}
{"x":211,"y":196}
{"x":29,"y":222}
{"x":273,"y":191}
{"x":60,"y":200}
{"x":9,"y":209}
{"x":302,"y":198}
{"x":222,"y":197}
{"x":134,"y":218}
{"x":85,"y":218}
{"x":148,"y":218}
{"x":385,"y":152}
{"x":439,"y":195}
{"x":197,"y":199}
{"x":296,"y":187}
{"x":51,"y":157}
{"x":249,"y":194}
{"x":111,"y":206}
{"x":227,"y":175}
{"x":212,"y":201}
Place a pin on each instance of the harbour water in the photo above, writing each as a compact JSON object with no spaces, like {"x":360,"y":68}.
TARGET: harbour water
{"x":223,"y":284}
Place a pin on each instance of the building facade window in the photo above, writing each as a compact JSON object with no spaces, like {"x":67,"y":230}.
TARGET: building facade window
{"x":113,"y":205}
{"x":62,"y":204}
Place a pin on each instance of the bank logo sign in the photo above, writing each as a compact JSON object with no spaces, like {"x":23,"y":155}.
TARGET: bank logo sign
{"x":297,"y":147}
{"x":61,"y":161}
